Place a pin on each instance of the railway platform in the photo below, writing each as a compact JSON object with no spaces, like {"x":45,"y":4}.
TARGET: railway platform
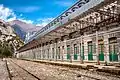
{"x":112,"y":69}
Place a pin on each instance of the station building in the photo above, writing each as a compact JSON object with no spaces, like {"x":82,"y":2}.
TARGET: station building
{"x":87,"y":31}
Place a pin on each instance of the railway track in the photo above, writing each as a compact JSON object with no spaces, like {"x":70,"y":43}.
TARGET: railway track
{"x":27,"y":70}
{"x":8,"y":70}
{"x":36,"y":78}
{"x":90,"y":77}
{"x":19,"y":73}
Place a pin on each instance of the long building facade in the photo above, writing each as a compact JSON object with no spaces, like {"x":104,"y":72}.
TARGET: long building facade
{"x":87,"y":31}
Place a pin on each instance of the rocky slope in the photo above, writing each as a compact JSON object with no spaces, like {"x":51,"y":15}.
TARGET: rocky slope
{"x":9,"y":41}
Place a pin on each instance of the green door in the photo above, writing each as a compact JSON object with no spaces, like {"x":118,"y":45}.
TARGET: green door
{"x":68,"y":52}
{"x":113,"y":49}
{"x":113,"y":53}
{"x":101,"y":52}
{"x":101,"y":49}
{"x":90,"y":51}
{"x":75,"y":52}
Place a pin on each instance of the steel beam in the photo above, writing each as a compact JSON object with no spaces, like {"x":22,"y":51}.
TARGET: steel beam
{"x":106,"y":13}
{"x":63,"y":33}
{"x":67,"y":28}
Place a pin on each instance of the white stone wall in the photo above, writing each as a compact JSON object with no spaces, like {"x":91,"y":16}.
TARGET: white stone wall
{"x":42,"y":52}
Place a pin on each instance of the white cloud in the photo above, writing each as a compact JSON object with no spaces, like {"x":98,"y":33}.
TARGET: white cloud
{"x":44,"y":21}
{"x":11,"y":19}
{"x":20,"y":19}
{"x":28,"y":9}
{"x":6,"y":13}
{"x":26,"y":21}
{"x":64,"y":3}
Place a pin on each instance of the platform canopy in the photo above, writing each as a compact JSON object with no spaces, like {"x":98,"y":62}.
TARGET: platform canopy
{"x":82,"y":16}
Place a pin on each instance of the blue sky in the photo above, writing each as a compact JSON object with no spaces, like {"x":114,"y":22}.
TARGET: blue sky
{"x":38,"y":12}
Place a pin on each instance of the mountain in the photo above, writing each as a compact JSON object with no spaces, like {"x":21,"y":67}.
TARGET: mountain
{"x":9,"y":41}
{"x":19,"y":31}
{"x":23,"y":29}
{"x":5,"y":30}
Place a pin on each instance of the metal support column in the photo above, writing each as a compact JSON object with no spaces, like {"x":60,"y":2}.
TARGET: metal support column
{"x":62,"y":52}
{"x":71,"y":51}
{"x":97,"y":53}
{"x":81,"y":58}
{"x":55,"y":48}
{"x":65,"y":49}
